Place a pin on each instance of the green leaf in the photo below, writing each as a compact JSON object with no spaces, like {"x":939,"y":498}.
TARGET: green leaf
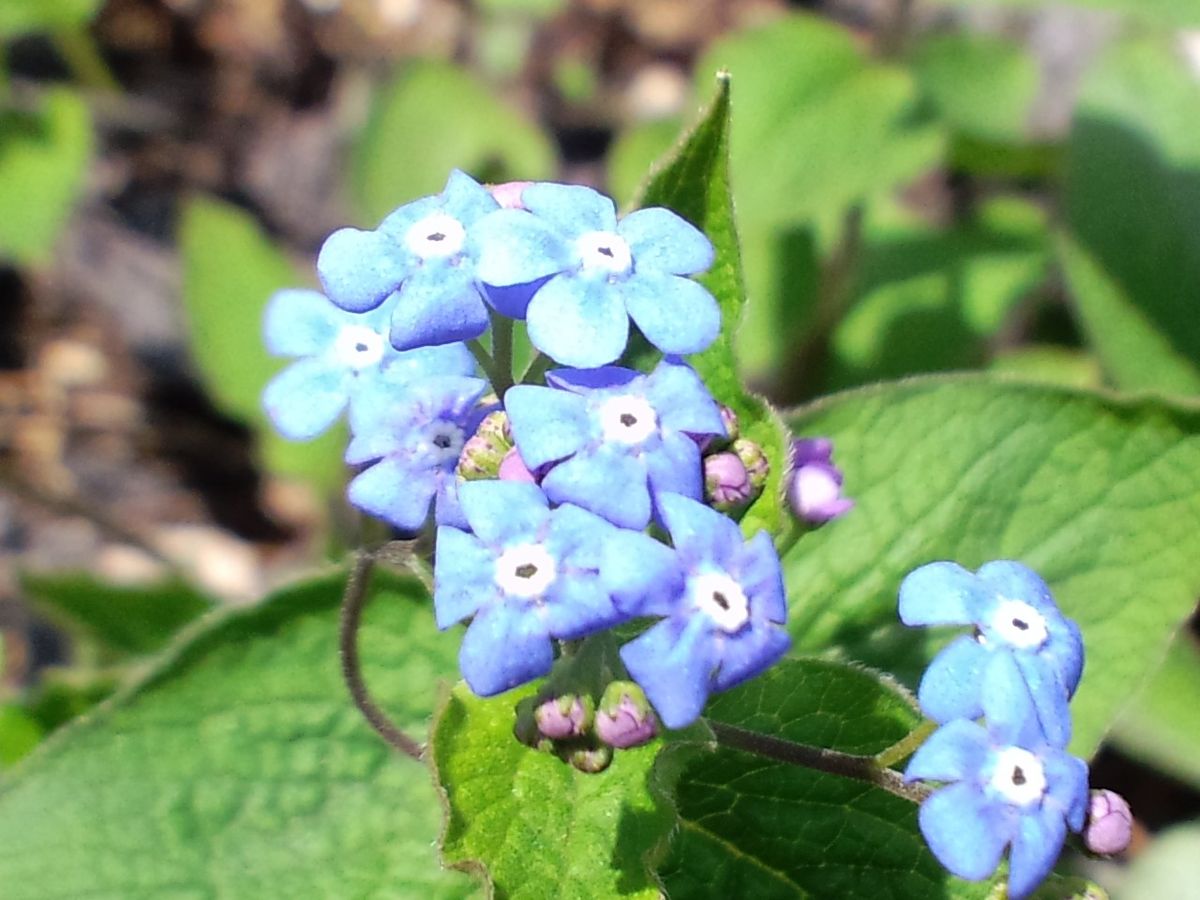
{"x":749,"y":827}
{"x":43,"y":158}
{"x":1162,"y":726}
{"x":19,"y":17}
{"x":127,"y":619}
{"x":694,"y":182}
{"x":1171,"y":13}
{"x":239,"y":768}
{"x":1133,"y":207}
{"x":1099,"y":496}
{"x":433,"y":117}
{"x":230,"y":271}
{"x":634,"y":152}
{"x":1048,"y":364}
{"x":818,"y":126}
{"x":19,"y":734}
{"x":536,"y":826}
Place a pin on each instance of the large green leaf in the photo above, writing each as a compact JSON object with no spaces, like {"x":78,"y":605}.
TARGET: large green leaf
{"x":536,"y":826}
{"x":43,"y":158}
{"x":1171,"y":13}
{"x":694,"y":182}
{"x":1133,"y":207}
{"x":239,"y":768}
{"x":230,"y":270}
{"x":750,"y":827}
{"x":1099,"y":496}
{"x":433,"y":117}
{"x":21,"y":16}
{"x":817,"y":126}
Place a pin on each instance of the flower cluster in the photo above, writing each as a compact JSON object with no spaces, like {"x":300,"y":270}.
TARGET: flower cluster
{"x":545,"y":494}
{"x":1010,"y":781}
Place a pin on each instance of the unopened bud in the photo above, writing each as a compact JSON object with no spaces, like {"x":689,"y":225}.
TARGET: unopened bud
{"x":525,"y":728}
{"x":513,"y":468}
{"x":726,"y":482}
{"x":485,"y":450}
{"x":713,"y":443}
{"x":509,"y":194}
{"x":568,"y":716}
{"x":1109,"y":825}
{"x":591,"y":760}
{"x":624,"y":718}
{"x":758,"y":467}
{"x":814,"y":485}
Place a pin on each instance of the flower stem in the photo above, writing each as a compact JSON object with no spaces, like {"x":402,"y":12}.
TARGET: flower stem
{"x":537,"y":368}
{"x":833,"y":762}
{"x":906,"y":746}
{"x":354,"y":598}
{"x":487,"y":363}
{"x":502,"y":352}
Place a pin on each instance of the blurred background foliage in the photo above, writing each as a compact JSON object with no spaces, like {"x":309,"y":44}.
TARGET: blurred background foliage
{"x":921,"y":186}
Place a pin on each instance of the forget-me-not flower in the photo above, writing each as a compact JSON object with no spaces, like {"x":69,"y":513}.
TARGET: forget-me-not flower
{"x":723,"y":601}
{"x":616,"y":437}
{"x":410,"y":436}
{"x":1013,"y":616}
{"x":592,"y":274}
{"x":423,"y":252}
{"x":526,"y":574}
{"x":1009,"y":786}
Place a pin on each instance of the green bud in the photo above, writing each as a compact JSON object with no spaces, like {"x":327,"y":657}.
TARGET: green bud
{"x":485,"y":450}
{"x":591,"y":760}
{"x":758,"y":467}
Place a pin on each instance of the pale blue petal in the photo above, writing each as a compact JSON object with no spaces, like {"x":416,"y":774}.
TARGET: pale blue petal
{"x":673,"y":662}
{"x":413,"y":365}
{"x":439,"y":304}
{"x":466,"y":199}
{"x":395,"y":226}
{"x":578,"y":321}
{"x":676,"y":314}
{"x":394,"y":492}
{"x":359,"y":269}
{"x":577,"y":537}
{"x":940,"y":593}
{"x":1067,"y":778}
{"x":463,"y":576}
{"x":581,"y":381}
{"x":757,"y":569}
{"x":446,"y":508}
{"x":661,"y":241}
{"x":504,"y":512}
{"x":578,"y":605}
{"x":512,"y":246}
{"x":301,"y":323}
{"x":951,"y":687}
{"x":607,"y":482}
{"x":682,"y":400}
{"x":674,"y":467}
{"x":505,"y":646}
{"x":749,"y":652}
{"x":1065,"y":650}
{"x":306,"y":398}
{"x":1017,"y":582}
{"x":957,"y":751}
{"x":964,"y":831}
{"x":1012,"y":716}
{"x":1050,"y":698}
{"x":1035,"y":849}
{"x":642,"y":574}
{"x":547,"y":425}
{"x":571,"y":209}
{"x":698,"y":532}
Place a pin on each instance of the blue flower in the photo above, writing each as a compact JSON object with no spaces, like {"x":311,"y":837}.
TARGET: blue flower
{"x":723,"y":600}
{"x":425,"y":253}
{"x":1010,"y":786}
{"x":527,"y":574}
{"x":617,"y":436}
{"x":410,"y":435}
{"x":598,"y":273}
{"x":338,"y":354}
{"x":1013,"y":616}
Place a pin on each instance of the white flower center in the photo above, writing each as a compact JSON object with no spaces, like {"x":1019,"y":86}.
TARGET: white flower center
{"x":1018,"y":624}
{"x":435,"y":236}
{"x":525,"y":571}
{"x":1019,"y":776}
{"x":604,"y":251}
{"x":720,"y":598}
{"x":627,"y":420}
{"x":358,"y":346}
{"x":444,"y":442}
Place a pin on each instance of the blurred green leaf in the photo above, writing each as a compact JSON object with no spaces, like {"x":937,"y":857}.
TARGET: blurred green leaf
{"x":239,"y":767}
{"x":817,"y":126}
{"x":1047,"y":364}
{"x":19,"y":734}
{"x":230,"y":270}
{"x":535,"y":8}
{"x":22,"y":16}
{"x":633,"y":154}
{"x":1171,"y":13}
{"x":65,"y":694}
{"x":983,"y":85}
{"x":433,"y":117}
{"x":127,"y":619}
{"x":1166,"y":870}
{"x":1162,"y":725}
{"x":43,"y":160}
{"x":1133,"y":210}
{"x":1099,"y":496}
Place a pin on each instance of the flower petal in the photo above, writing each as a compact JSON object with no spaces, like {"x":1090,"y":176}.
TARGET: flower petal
{"x":749,"y":652}
{"x":512,"y":246}
{"x":682,"y":401}
{"x":571,"y":209}
{"x":463,"y":576}
{"x":438,"y":304}
{"x":676,"y":314}
{"x":673,"y":662}
{"x":756,"y":567}
{"x":359,"y":269}
{"x":1008,"y":704}
{"x":414,"y":365}
{"x":965,"y":832}
{"x":675,"y":467}
{"x":391,"y":490}
{"x":301,"y":323}
{"x":504,"y":512}
{"x":581,"y":381}
{"x":699,"y":533}
{"x":1050,"y":698}
{"x":547,"y":425}
{"x":952,"y":685}
{"x":466,"y":199}
{"x":306,"y":398}
{"x":505,"y":646}
{"x":578,"y":605}
{"x":607,"y":482}
{"x":955,"y":752}
{"x":1035,"y":849}
{"x":940,"y":593}
{"x":1067,"y":777}
{"x":661,"y":241}
{"x":642,"y":574}
{"x":577,"y":537}
{"x":578,"y":321}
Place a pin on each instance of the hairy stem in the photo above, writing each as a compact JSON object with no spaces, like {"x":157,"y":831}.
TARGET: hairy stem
{"x":833,"y":762}
{"x":536,"y":369}
{"x":487,"y":363}
{"x":354,"y":599}
{"x":502,"y":352}
{"x":906,"y":746}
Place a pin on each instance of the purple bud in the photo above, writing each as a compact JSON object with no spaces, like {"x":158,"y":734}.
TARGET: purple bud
{"x":591,"y":760}
{"x":513,"y":468}
{"x":564,"y":717}
{"x":484,"y":451}
{"x":624,"y":718}
{"x":814,"y":486}
{"x":509,"y":194}
{"x":712,"y":443}
{"x":726,"y":482}
{"x":758,"y":467}
{"x":525,"y":727}
{"x":1109,"y":825}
